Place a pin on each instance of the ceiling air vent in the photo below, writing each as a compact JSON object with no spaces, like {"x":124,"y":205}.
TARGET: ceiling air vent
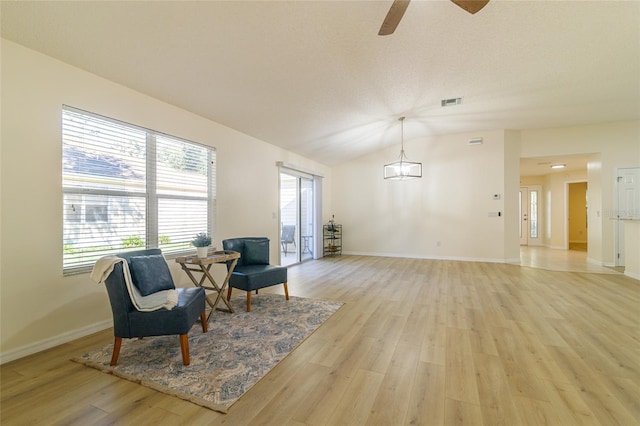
{"x":451,"y":102}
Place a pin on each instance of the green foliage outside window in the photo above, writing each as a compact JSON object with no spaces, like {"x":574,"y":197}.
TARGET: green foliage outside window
{"x":132,"y":241}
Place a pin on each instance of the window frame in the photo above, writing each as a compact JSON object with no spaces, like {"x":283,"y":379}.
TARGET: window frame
{"x":150,"y":194}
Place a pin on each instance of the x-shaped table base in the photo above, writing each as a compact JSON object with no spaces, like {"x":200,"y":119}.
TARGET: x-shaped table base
{"x":194,"y":264}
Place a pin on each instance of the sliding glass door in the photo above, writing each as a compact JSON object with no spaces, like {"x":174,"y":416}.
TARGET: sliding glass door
{"x":296,"y":218}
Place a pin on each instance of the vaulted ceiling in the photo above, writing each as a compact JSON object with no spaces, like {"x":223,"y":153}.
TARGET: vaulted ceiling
{"x":315,"y":78}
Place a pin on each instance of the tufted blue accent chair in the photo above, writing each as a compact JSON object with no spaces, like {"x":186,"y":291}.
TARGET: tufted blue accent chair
{"x":253,"y":271}
{"x":128,"y":322}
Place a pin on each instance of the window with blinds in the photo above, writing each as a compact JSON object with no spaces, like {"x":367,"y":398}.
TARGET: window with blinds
{"x":129,"y":188}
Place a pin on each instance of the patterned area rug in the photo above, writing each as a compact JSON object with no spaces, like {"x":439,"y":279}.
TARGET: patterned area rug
{"x":237,"y":351}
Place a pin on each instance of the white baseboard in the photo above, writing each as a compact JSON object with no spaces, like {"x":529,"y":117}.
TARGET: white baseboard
{"x":600,"y":263}
{"x":414,"y":256}
{"x":632,"y":275}
{"x":51,"y":342}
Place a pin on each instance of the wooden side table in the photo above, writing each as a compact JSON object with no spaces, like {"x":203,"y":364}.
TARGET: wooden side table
{"x":191,"y":264}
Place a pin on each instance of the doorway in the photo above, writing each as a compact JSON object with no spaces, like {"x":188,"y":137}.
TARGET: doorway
{"x":296,"y":218}
{"x":577,"y":222}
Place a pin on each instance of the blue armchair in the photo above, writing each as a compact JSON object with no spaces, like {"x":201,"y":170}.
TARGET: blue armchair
{"x":128,"y":322}
{"x":253,"y":271}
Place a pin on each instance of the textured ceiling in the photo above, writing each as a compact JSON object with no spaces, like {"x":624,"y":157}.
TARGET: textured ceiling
{"x":315,"y":78}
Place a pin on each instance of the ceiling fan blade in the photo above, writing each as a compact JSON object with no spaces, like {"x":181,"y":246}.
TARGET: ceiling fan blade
{"x":393,"y":17}
{"x":471,"y":6}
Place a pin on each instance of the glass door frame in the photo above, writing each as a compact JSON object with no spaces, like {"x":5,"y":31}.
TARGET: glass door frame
{"x":302,"y":201}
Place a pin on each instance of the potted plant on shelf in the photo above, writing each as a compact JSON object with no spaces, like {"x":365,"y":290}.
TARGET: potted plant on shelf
{"x":201,"y":242}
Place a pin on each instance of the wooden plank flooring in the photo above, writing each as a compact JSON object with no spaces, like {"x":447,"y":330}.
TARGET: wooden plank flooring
{"x":417,"y":342}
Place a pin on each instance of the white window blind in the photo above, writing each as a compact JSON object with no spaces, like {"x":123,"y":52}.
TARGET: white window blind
{"x":128,"y":188}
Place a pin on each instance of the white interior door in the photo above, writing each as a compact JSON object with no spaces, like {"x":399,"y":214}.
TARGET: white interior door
{"x":628,"y":182}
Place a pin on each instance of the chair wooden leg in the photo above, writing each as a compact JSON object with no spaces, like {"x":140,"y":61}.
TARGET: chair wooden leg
{"x":117,"y":343}
{"x":286,"y":290}
{"x":228,"y":293}
{"x":203,"y":320}
{"x":248,"y":301}
{"x":184,"y":348}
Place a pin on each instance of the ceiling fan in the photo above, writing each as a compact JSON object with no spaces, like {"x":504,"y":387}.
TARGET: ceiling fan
{"x":398,"y":8}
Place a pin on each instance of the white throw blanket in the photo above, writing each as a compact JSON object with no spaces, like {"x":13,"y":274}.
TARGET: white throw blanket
{"x":161,"y":299}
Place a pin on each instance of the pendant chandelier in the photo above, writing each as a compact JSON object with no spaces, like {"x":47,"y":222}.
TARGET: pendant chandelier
{"x":402,"y":169}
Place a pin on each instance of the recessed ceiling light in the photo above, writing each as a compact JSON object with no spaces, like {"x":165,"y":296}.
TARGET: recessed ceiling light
{"x":558,"y":166}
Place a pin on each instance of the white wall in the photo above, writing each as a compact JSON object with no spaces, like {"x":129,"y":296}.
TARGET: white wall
{"x":39,"y":306}
{"x":594,"y":220}
{"x":632,"y":248}
{"x":556,"y":184}
{"x":512,"y":148}
{"x":610,"y":145}
{"x":443,"y":215}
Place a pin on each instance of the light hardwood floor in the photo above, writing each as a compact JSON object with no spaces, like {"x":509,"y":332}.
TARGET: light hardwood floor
{"x":562,"y":260}
{"x":417,"y":342}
